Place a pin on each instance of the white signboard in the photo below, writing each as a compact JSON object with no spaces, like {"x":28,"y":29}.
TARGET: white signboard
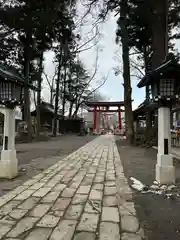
{"x":18,"y":113}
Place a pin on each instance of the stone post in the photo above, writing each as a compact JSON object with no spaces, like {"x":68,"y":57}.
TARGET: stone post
{"x":9,"y":162}
{"x":165,"y":172}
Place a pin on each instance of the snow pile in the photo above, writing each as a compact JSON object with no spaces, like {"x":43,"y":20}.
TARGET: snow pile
{"x":137,"y":185}
{"x":168,"y":191}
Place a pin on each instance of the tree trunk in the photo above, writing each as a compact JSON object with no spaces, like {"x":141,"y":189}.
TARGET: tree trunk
{"x":27,"y":112}
{"x":70,"y":109}
{"x":57,"y":94}
{"x":64,"y":91}
{"x":159,"y":43}
{"x":51,"y":96}
{"x":126,"y":74}
{"x":148,"y":135}
{"x":38,"y":108}
{"x":146,"y":64}
{"x":159,"y":32}
{"x":76,"y":110}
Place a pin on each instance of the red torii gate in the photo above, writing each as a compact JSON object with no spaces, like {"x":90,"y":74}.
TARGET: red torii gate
{"x":105,"y":107}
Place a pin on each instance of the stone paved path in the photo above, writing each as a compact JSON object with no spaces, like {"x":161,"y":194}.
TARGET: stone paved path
{"x":85,"y":196}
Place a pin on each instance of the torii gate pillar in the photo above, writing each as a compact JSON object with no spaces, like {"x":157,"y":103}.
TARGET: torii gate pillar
{"x":119,"y":117}
{"x":95,"y":119}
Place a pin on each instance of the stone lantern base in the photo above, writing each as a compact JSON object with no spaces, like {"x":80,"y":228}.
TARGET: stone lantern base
{"x":8,"y":164}
{"x":165,"y":171}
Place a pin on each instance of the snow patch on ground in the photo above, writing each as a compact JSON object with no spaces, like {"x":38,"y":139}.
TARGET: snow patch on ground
{"x":168,"y":191}
{"x":137,"y":185}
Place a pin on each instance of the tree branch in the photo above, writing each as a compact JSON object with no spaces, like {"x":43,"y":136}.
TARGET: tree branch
{"x":88,"y":41}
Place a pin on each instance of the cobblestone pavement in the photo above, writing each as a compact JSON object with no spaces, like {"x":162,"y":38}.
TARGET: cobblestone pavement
{"x":33,"y":158}
{"x":83,"y":196}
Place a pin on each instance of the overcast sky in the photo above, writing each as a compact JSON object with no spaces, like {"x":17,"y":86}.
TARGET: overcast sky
{"x":113,"y":88}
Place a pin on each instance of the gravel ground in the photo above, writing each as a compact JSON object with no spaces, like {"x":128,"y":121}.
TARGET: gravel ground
{"x":158,"y":215}
{"x":36,"y":157}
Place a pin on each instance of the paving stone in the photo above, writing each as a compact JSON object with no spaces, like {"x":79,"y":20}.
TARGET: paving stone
{"x":29,"y":203}
{"x":61,"y":204}
{"x":79,"y":199}
{"x":52,"y":182}
{"x":56,"y":213}
{"x":41,"y":192}
{"x":110,"y":190}
{"x":31,"y":182}
{"x":66,"y":180}
{"x":4,"y":229}
{"x":24,"y":195}
{"x":126,"y":192}
{"x":127,"y":208}
{"x":84,"y":189}
{"x":90,"y":176}
{"x":85,"y":236}
{"x":16,"y":191}
{"x":110,"y":214}
{"x":110,"y":178}
{"x":74,"y":212}
{"x":98,"y":179}
{"x":87,"y":181}
{"x":7,"y":220}
{"x":129,"y":223}
{"x":45,"y":179}
{"x":18,"y":213}
{"x":50,"y":197}
{"x":59,"y":187}
{"x":48,"y":221}
{"x":24,"y":225}
{"x":39,"y":210}
{"x":130,"y":236}
{"x":12,"y":238}
{"x":109,"y":231}
{"x":64,"y":230}
{"x":109,"y":201}
{"x":36,"y":186}
{"x":97,"y":186}
{"x":6,"y":209}
{"x":88,"y":222}
{"x":39,"y":233}
{"x":68,"y":192}
{"x":93,"y":206}
{"x":4,"y":201}
{"x":39,"y":176}
{"x":58,"y":177}
{"x":95,"y":195}
{"x":75,"y":185}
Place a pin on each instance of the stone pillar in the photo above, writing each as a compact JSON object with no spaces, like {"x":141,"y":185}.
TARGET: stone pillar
{"x":9,"y":162}
{"x":165,"y":172}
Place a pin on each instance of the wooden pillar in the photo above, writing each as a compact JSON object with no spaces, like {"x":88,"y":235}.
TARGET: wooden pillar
{"x":119,"y":117}
{"x":95,"y":119}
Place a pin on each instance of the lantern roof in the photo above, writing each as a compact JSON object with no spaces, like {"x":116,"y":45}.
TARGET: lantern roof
{"x":10,"y":74}
{"x":170,"y":68}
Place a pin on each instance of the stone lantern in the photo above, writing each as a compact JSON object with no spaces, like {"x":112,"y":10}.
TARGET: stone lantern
{"x":165,"y":90}
{"x":11,"y":95}
{"x":11,"y":89}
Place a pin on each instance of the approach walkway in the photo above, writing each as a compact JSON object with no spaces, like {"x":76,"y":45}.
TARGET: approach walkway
{"x":83,"y":196}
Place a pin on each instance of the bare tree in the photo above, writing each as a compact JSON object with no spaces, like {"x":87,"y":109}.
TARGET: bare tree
{"x":136,"y":65}
{"x":87,"y":94}
{"x":51,"y":85}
